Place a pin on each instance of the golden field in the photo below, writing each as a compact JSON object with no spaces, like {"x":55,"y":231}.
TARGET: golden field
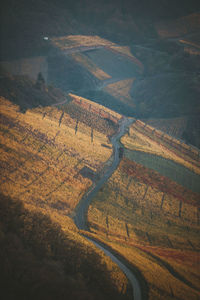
{"x":141,"y":219}
{"x":50,"y":156}
{"x":152,"y":221}
{"x":43,"y":153}
{"x":38,"y":152}
{"x":121,"y":90}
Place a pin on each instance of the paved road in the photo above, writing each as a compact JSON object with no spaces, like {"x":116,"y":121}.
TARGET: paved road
{"x":133,"y":280}
{"x":80,"y":217}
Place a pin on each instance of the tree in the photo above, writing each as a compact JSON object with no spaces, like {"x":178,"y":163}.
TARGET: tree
{"x":40,"y":82}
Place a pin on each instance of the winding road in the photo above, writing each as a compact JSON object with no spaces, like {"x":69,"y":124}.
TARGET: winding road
{"x":80,"y":214}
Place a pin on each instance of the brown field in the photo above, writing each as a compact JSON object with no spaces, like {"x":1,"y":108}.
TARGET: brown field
{"x":138,"y":214}
{"x":172,"y":126}
{"x":39,"y":150}
{"x":74,"y":41}
{"x":121,"y":90}
{"x":143,"y":137}
{"x":42,"y":158}
{"x":148,"y":219}
{"x":90,"y":66}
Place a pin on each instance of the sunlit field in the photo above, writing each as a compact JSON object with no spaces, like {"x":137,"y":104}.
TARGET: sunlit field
{"x":49,"y":160}
{"x":45,"y":150}
{"x":121,"y":90}
{"x":154,"y":224}
{"x":150,"y":219}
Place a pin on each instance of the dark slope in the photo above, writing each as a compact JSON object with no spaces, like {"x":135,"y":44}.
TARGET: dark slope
{"x":39,"y":261}
{"x":25,"y":23}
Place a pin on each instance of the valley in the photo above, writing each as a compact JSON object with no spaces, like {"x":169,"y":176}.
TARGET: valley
{"x":99,"y":150}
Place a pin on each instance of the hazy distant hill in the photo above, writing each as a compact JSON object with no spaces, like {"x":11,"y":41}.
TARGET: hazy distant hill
{"x":25,"y":23}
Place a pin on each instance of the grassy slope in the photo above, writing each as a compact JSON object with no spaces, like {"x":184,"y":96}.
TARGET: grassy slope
{"x":107,"y":61}
{"x":152,"y":222}
{"x":145,"y":138}
{"x":42,"y":154}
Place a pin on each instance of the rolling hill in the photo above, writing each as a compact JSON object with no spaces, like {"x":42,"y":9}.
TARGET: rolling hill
{"x":99,"y":125}
{"x":50,"y":156}
{"x":148,"y":214}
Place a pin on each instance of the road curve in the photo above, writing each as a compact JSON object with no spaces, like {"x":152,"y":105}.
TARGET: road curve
{"x":133,"y":280}
{"x":82,"y":207}
{"x":80,"y":215}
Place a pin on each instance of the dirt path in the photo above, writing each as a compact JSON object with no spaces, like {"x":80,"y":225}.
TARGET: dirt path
{"x":80,"y":216}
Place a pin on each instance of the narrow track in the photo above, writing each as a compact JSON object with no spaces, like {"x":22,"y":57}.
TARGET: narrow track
{"x":80,"y":215}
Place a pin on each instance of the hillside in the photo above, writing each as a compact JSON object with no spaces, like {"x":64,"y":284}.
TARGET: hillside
{"x":155,"y":80}
{"x":25,"y":24}
{"x":99,"y":149}
{"x":148,"y":212}
{"x":49,"y":158}
{"x":37,"y":261}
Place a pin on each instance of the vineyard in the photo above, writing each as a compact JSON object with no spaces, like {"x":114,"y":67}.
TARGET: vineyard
{"x":149,"y":211}
{"x":174,"y":127}
{"x":121,"y":90}
{"x":157,"y":221}
{"x":148,"y":218}
{"x":143,"y":137}
{"x":72,"y":41}
{"x":45,"y":149}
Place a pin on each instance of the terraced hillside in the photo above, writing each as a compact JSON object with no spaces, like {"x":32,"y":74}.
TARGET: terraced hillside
{"x":58,"y":150}
{"x":49,"y":158}
{"x":51,"y":155}
{"x":151,"y":217}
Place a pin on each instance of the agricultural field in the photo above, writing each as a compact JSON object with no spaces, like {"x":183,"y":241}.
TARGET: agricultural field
{"x":109,"y":65}
{"x":142,"y":137}
{"x":46,"y":149}
{"x":172,"y":126}
{"x":81,"y":43}
{"x":121,"y":90}
{"x":72,"y":41}
{"x":148,"y":212}
{"x":153,"y":223}
{"x":50,"y":156}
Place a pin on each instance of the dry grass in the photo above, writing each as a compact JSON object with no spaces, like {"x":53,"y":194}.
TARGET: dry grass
{"x":39,"y":155}
{"x":40,"y":165}
{"x":121,"y":90}
{"x":90,"y":66}
{"x":172,"y":126}
{"x":88,"y":103}
{"x":74,"y":41}
{"x":162,"y":284}
{"x":123,"y":49}
{"x":141,"y":139}
{"x":141,"y":222}
{"x":191,"y":43}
